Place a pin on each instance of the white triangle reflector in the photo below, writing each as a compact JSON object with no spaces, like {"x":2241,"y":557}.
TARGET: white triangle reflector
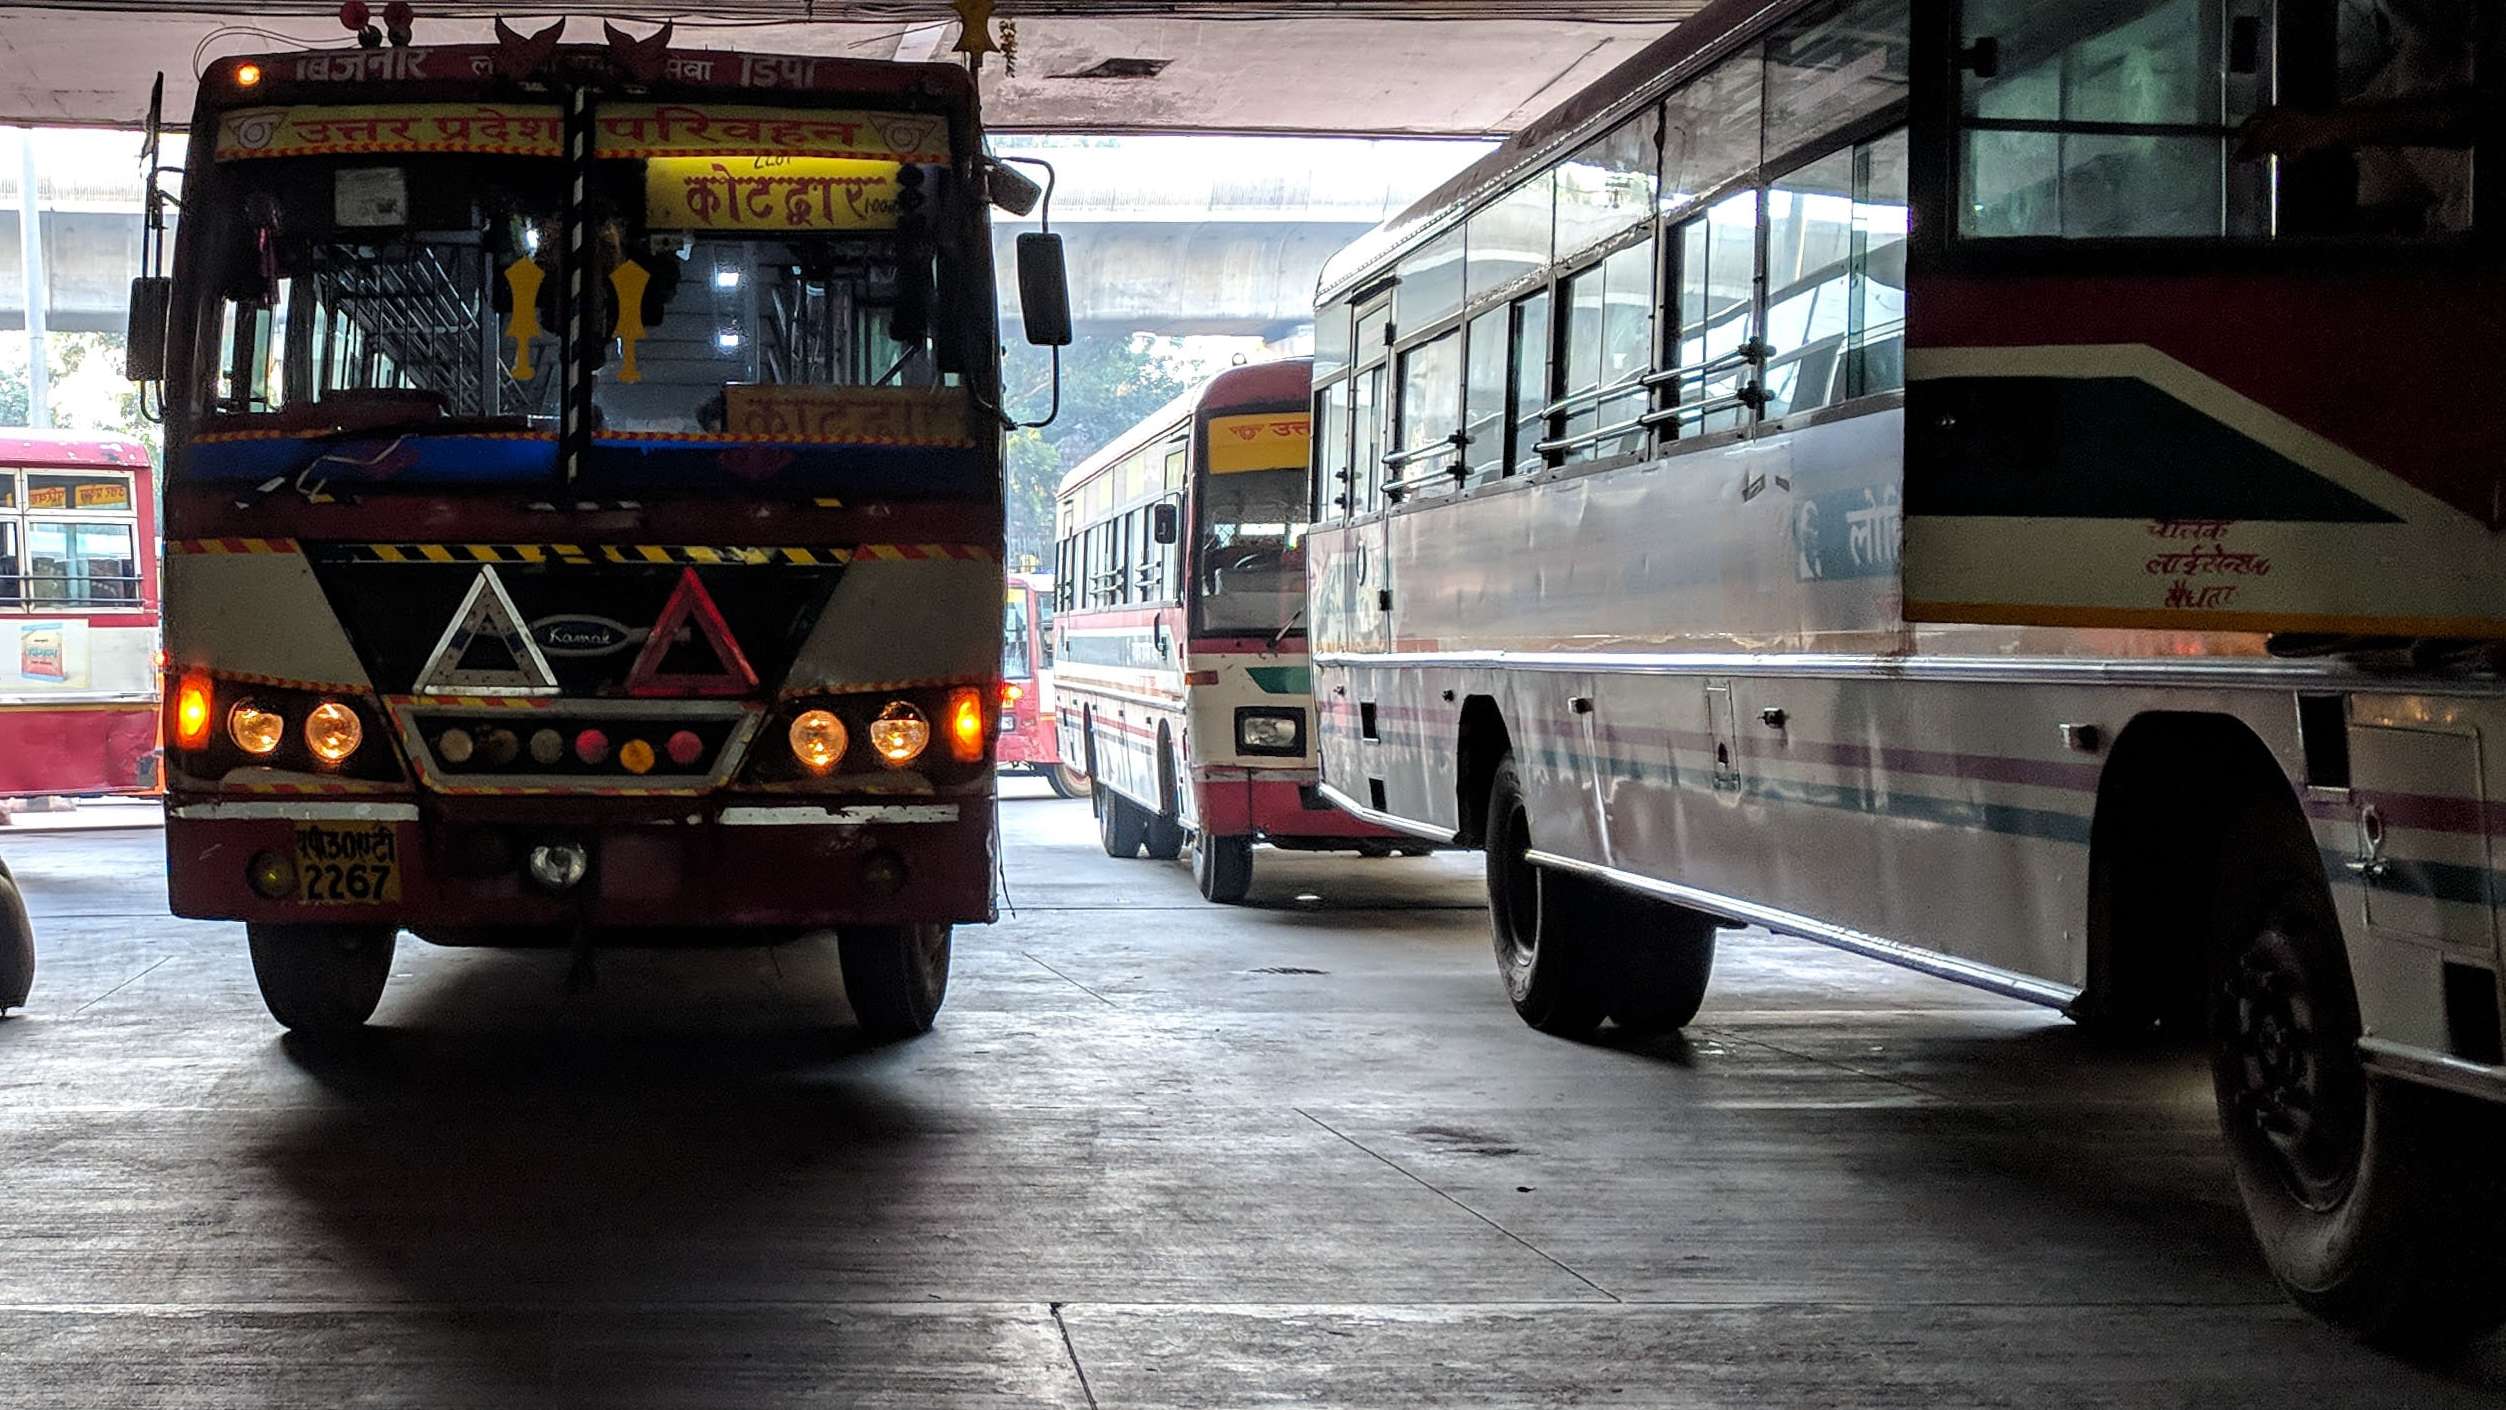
{"x":486,"y":650}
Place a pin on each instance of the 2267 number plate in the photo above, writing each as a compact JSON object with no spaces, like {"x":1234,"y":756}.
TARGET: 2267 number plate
{"x":353,"y":865}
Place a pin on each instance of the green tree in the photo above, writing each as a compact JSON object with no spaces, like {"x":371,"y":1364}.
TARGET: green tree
{"x":1109,"y":384}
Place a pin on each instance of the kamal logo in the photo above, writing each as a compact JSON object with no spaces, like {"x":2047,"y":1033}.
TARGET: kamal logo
{"x":583,"y":636}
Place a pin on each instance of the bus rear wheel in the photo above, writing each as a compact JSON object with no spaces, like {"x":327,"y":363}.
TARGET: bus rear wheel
{"x":1120,"y":824}
{"x":322,"y":981}
{"x":1222,"y":867}
{"x":1162,"y":838}
{"x":1066,"y":780}
{"x":895,"y":977}
{"x":1661,"y":955}
{"x":1545,"y":955}
{"x":2375,"y":1203}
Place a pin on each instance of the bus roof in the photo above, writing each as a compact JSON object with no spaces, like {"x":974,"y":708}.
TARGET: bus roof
{"x":1654,"y":70}
{"x":1255,"y":384}
{"x":25,"y":446}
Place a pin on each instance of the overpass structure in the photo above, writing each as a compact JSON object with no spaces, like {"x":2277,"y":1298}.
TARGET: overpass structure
{"x":1170,"y":235}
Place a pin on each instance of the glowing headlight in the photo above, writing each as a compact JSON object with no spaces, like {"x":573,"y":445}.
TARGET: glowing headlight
{"x":817,"y":739}
{"x":255,"y":731}
{"x":900,"y":734}
{"x":333,"y":731}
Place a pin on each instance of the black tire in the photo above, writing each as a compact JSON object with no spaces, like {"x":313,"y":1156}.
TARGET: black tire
{"x":1120,"y":824}
{"x":321,"y":981}
{"x":1372,"y":848}
{"x":17,"y":945}
{"x":2377,"y":1205}
{"x":1222,"y":867}
{"x":1546,"y":956}
{"x":895,"y":977}
{"x":1066,"y":780}
{"x":1662,"y":956}
{"x":1162,"y":839}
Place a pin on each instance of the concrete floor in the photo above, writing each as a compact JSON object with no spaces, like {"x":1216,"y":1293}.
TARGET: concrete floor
{"x":1158,"y":1154}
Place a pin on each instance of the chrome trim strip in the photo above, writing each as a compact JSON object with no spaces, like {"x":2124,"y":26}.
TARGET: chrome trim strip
{"x":822,"y":815}
{"x":297,"y":812}
{"x":2217,"y":672}
{"x":1086,"y":689}
{"x":2387,"y":1058}
{"x":1973,"y":973}
{"x":1362,"y":813}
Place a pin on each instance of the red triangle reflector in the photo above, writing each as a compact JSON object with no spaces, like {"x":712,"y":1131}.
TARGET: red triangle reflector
{"x":690,"y":602}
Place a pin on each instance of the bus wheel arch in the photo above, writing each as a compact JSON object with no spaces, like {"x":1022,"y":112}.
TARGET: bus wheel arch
{"x":2154,"y":864}
{"x":1481,"y":743}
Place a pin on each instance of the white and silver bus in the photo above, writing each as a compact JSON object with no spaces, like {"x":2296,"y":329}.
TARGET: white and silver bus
{"x":1181,"y":677}
{"x":1904,"y":475}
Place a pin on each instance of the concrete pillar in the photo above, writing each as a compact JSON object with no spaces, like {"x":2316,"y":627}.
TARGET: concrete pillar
{"x":31,"y":262}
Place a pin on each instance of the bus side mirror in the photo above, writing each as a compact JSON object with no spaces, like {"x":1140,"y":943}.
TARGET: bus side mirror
{"x":1044,"y":290}
{"x":1165,"y":524}
{"x":143,"y":355}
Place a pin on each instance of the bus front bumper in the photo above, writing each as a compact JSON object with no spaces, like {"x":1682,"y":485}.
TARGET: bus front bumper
{"x":767,"y":865}
{"x":1279,"y":806}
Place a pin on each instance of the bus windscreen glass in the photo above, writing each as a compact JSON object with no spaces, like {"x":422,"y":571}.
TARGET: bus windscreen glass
{"x":1252,"y":551}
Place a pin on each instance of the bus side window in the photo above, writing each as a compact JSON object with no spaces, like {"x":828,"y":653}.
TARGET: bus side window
{"x":1366,"y":488}
{"x":1332,"y":485}
{"x":1531,"y":339}
{"x":1713,"y":314}
{"x":1485,"y":409}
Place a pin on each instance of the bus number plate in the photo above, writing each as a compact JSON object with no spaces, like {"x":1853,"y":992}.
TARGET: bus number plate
{"x":355,"y":865}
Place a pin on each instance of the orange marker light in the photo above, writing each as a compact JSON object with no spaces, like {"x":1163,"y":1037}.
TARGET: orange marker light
{"x":965,"y":725}
{"x":247,"y":75}
{"x":636,"y":757}
{"x":191,"y":712}
{"x":1012,"y":692}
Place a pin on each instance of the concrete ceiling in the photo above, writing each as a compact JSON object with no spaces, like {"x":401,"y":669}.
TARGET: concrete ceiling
{"x":1440,"y":67}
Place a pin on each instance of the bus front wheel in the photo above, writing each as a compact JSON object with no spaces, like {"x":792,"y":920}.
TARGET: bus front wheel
{"x":895,"y":977}
{"x":1163,"y":837}
{"x":1222,"y":867}
{"x":322,"y":981}
{"x":2375,"y":1202}
{"x":1548,"y":959}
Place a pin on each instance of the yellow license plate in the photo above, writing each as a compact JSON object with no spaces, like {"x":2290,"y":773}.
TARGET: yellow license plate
{"x":357,"y":864}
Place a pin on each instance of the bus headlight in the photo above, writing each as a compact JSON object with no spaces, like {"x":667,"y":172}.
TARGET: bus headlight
{"x":255,"y":731}
{"x":333,"y":731}
{"x":900,"y":734}
{"x":1260,"y":731}
{"x":817,"y":739}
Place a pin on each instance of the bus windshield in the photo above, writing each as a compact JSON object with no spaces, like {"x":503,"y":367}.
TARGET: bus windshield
{"x":413,"y":286}
{"x":330,"y":275}
{"x":1017,"y":643}
{"x":1252,"y":551}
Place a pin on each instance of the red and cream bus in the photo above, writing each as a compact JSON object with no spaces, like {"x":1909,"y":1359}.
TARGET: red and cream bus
{"x":1901,"y":475}
{"x":78,"y":615}
{"x":1181,"y":678}
{"x":1030,"y":733}
{"x":584,"y":510}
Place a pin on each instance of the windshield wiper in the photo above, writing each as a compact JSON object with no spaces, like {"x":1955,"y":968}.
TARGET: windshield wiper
{"x":1282,"y":634}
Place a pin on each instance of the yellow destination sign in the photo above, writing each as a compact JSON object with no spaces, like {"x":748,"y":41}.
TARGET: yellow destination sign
{"x":769,"y":193}
{"x":879,"y":416}
{"x":480,"y":129}
{"x":1241,"y":443}
{"x":722,"y":130}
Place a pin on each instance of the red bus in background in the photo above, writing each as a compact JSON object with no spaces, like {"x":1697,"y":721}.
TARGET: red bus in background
{"x":78,"y":615}
{"x":1030,"y":740}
